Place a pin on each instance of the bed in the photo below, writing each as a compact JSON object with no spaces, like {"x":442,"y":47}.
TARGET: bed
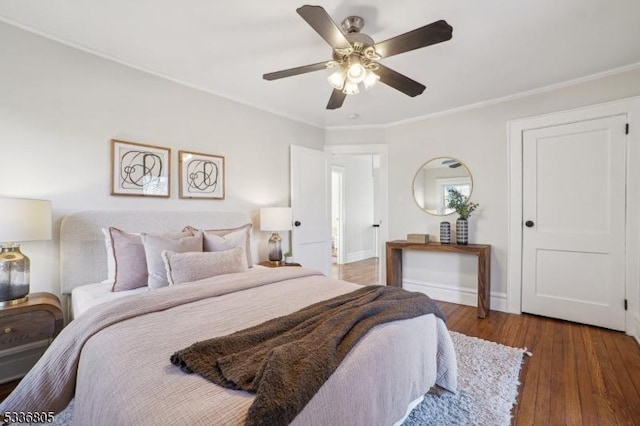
{"x":113,"y":358}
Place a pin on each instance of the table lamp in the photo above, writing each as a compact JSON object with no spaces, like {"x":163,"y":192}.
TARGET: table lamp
{"x":20,"y":220}
{"x":275,"y":219}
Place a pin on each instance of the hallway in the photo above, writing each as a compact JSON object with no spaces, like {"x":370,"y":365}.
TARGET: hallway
{"x":361,"y":272}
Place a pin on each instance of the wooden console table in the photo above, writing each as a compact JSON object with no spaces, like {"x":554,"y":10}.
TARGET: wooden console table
{"x":482,"y":251}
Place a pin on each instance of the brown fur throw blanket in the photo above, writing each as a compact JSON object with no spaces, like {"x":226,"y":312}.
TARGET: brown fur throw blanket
{"x":286,"y":360}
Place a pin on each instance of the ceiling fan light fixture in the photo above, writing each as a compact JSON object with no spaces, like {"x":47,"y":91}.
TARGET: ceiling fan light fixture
{"x":371,"y":79}
{"x":350,"y":88}
{"x":356,"y":72}
{"x":356,"y":55}
{"x":336,"y":79}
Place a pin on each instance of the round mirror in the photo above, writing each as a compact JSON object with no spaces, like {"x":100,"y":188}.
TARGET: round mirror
{"x":433,"y":181}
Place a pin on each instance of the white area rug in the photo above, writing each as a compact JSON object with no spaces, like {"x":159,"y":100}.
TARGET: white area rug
{"x":487,"y":387}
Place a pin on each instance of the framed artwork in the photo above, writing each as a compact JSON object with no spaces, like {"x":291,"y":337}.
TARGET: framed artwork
{"x":140,"y":170}
{"x":201,"y":175}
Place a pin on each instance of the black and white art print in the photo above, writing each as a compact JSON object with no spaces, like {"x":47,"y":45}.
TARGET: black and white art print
{"x":140,"y":170}
{"x":201,"y":175}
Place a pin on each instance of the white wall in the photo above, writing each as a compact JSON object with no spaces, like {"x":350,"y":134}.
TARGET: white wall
{"x":356,"y":135}
{"x":59,"y":108}
{"x":359,"y":206}
{"x":478,"y":137}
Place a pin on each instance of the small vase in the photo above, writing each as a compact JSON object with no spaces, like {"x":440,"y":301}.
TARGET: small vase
{"x":445,"y":232}
{"x":462,"y":231}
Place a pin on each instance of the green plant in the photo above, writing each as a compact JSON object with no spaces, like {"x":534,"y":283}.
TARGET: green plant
{"x":461,"y":204}
{"x":288,"y":254}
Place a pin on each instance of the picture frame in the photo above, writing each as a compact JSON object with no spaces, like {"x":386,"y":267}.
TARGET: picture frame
{"x":202,"y":176}
{"x":140,"y":170}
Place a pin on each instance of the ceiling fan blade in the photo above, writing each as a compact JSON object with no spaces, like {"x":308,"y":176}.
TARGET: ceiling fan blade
{"x":295,"y":71}
{"x":337,"y":99}
{"x":320,"y":21}
{"x":433,"y":33}
{"x":399,"y":82}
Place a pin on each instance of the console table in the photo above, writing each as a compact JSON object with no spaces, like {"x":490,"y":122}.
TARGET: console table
{"x":482,"y":251}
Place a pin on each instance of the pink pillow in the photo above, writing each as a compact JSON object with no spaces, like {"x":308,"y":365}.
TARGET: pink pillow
{"x":154,"y":245}
{"x":130,"y":259}
{"x":224,"y":239}
{"x":186,"y":267}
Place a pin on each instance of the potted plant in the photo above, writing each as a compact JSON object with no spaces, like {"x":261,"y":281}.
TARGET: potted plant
{"x":464,"y":207}
{"x":288,"y":257}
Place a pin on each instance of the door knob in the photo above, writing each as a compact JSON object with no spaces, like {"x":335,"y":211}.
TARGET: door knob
{"x":528,"y":224}
{"x":297,"y":223}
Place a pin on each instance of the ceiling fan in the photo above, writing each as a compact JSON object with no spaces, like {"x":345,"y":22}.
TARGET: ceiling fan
{"x":356,"y":56}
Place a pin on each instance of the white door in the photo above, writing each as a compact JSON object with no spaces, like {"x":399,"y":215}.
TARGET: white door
{"x":311,"y":208}
{"x":337,"y":214}
{"x":573,"y":234}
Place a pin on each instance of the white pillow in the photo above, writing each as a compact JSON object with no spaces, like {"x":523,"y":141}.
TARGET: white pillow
{"x":154,"y":245}
{"x":192,"y":266}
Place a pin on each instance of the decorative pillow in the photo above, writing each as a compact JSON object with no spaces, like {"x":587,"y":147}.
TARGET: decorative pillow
{"x":129,"y":259}
{"x":186,"y":267}
{"x":154,"y":245}
{"x":224,"y":239}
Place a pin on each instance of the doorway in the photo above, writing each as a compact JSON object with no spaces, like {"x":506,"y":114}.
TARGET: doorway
{"x":361,"y":231}
{"x":353,"y":206}
{"x":591,"y":185}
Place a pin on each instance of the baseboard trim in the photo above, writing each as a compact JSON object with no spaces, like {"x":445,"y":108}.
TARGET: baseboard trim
{"x":359,"y":255}
{"x":453,"y":294}
{"x":633,"y":326}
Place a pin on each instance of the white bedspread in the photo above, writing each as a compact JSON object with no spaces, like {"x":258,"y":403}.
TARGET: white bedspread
{"x":116,"y":357}
{"x":87,"y":296}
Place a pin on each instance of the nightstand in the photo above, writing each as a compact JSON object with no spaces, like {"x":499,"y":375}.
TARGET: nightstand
{"x":269,"y":264}
{"x":26,"y":330}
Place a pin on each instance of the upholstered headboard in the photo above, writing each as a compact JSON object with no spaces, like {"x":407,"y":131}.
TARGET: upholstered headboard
{"x":83,"y":257}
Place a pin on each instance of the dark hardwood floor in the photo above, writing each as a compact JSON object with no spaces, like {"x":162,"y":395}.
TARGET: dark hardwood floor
{"x":578,"y":374}
{"x":6,"y":388}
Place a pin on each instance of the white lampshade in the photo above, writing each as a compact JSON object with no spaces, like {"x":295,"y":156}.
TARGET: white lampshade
{"x":356,"y":72}
{"x":350,"y":88}
{"x":275,"y":219}
{"x":23,"y":219}
{"x":371,"y":79}
{"x":336,"y":79}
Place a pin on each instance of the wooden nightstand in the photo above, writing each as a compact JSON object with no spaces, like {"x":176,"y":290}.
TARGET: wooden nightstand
{"x":26,"y":330}
{"x":269,"y":264}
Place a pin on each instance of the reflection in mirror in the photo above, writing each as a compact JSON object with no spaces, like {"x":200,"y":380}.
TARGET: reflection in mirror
{"x":433,"y":180}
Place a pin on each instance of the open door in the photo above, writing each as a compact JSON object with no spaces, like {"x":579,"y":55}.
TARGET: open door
{"x":311,"y":208}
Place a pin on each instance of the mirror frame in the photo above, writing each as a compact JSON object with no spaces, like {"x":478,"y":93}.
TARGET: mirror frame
{"x":415,"y":176}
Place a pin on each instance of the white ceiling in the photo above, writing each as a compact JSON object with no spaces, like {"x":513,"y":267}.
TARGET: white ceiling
{"x":499,"y":47}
